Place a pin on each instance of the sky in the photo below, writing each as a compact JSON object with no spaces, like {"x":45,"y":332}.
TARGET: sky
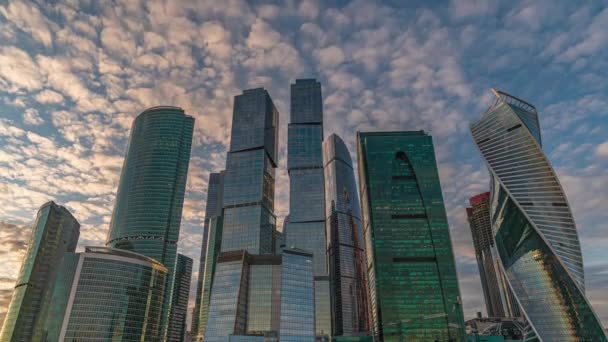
{"x":74,"y":74}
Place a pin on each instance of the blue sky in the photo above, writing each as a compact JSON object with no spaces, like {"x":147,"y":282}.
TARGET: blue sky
{"x":73,"y":75}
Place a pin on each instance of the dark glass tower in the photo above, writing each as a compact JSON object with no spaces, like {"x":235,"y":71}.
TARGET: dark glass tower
{"x":55,"y":232}
{"x":499,"y":299}
{"x":182,"y":276}
{"x":411,"y":269}
{"x":249,"y":220}
{"x":214,"y":241}
{"x":347,"y":267}
{"x":107,"y":294}
{"x":148,"y":209}
{"x":306,"y":227}
{"x":534,"y":231}
{"x":214,"y":207}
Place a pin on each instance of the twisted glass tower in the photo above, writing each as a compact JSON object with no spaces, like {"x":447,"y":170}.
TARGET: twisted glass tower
{"x":345,"y":249}
{"x":148,"y":208}
{"x":536,"y":238}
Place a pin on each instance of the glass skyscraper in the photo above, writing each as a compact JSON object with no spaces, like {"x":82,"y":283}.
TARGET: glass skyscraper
{"x":535,"y":234}
{"x":499,"y":299}
{"x":107,"y":294}
{"x":411,"y":269}
{"x":270,"y":296}
{"x":213,"y":207}
{"x":306,"y":227}
{"x":214,"y":241}
{"x":347,"y":267}
{"x":182,"y":276}
{"x":54,"y":233}
{"x":148,"y":208}
{"x":249,"y":220}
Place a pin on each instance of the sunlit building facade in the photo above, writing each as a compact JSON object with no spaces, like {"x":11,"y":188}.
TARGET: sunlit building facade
{"x":535,"y":234}
{"x":148,"y":208}
{"x":345,"y":249}
{"x":54,"y":233}
{"x":414,"y":292}
{"x":262,"y":296}
{"x":499,"y":299}
{"x":306,"y":227}
{"x":107,"y":294}
{"x":213,"y":208}
{"x":248,"y":199}
{"x":182,"y":275}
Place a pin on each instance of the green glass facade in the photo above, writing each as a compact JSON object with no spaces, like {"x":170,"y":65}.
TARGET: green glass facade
{"x":55,"y":232}
{"x":148,"y":208}
{"x":182,"y":276}
{"x":106,"y":294}
{"x":414,"y":292}
{"x":214,"y":242}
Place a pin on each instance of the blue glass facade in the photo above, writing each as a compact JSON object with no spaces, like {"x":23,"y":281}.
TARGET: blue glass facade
{"x":414,"y":292}
{"x":249,"y":221}
{"x":345,"y":248}
{"x":213,"y":208}
{"x":55,"y":233}
{"x":182,"y":275}
{"x":535,"y":234}
{"x":297,"y":297}
{"x":148,"y":208}
{"x":306,"y":227}
{"x":106,"y":294}
{"x":214,"y":241}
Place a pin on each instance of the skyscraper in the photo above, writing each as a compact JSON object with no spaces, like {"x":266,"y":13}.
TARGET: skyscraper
{"x":215,"y":192}
{"x":411,"y":269}
{"x":54,"y":233}
{"x":268,"y":296}
{"x":107,"y":294}
{"x":500,"y":301}
{"x":534,"y":231}
{"x":182,"y":276}
{"x":306,"y":227}
{"x":214,"y":241}
{"x":148,"y":208}
{"x":249,"y":220}
{"x":347,"y":267}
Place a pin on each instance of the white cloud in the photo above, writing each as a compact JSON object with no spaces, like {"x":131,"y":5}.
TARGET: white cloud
{"x":18,"y":68}
{"x":49,"y":97}
{"x":32,"y":117}
{"x":262,"y":35}
{"x":27,"y":17}
{"x":330,"y":57}
{"x":602,"y":150}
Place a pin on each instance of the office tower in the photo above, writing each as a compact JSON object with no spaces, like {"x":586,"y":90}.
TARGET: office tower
{"x":347,"y":267}
{"x":148,"y":208}
{"x":107,"y":294}
{"x":182,"y":274}
{"x":306,"y":227}
{"x":262,"y":295}
{"x":500,"y":301}
{"x":213,"y":207}
{"x":249,"y":220}
{"x":534,"y":231}
{"x":414,"y":291}
{"x":214,"y":241}
{"x":297,"y":321}
{"x":54,"y":233}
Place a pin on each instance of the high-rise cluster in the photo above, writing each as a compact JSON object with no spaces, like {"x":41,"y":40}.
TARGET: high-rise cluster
{"x":354,"y":261}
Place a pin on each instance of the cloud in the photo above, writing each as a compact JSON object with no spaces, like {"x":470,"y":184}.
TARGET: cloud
{"x":49,"y":97}
{"x":18,"y":68}
{"x":27,"y":17}
{"x":602,"y":150}
{"x":32,"y":117}
{"x":330,"y":57}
